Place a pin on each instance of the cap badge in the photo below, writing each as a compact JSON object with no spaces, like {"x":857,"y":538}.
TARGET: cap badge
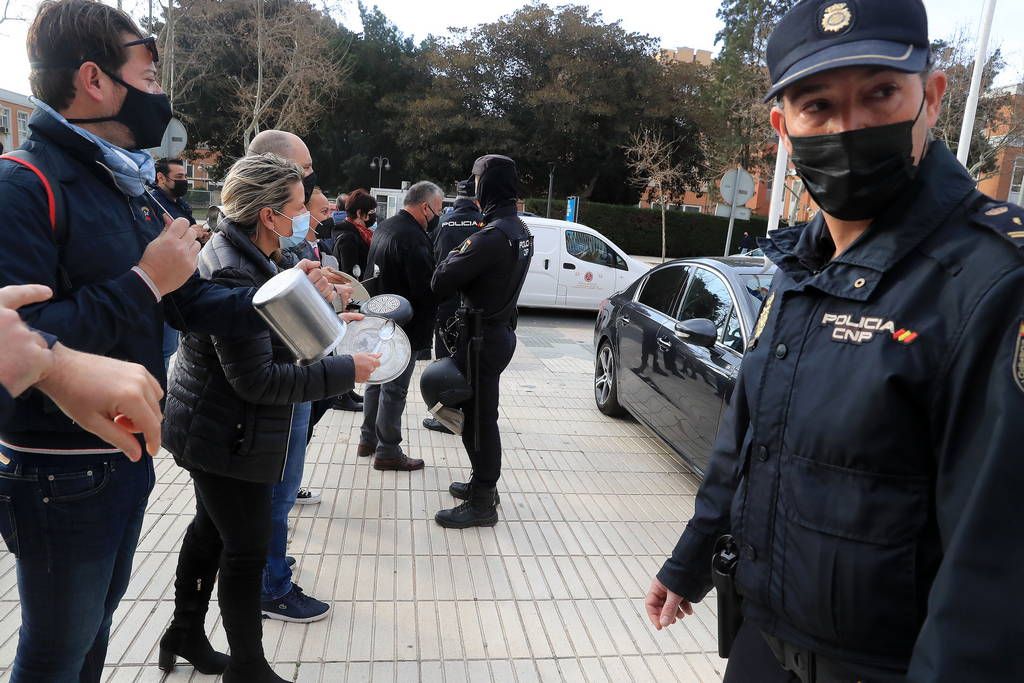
{"x":836,"y":17}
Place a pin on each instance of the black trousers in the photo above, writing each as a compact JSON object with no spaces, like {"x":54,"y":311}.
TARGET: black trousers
{"x":752,"y":661}
{"x":232,"y":523}
{"x":498,"y":348}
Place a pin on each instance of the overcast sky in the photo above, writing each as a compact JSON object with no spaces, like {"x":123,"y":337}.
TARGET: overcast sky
{"x":690,"y":23}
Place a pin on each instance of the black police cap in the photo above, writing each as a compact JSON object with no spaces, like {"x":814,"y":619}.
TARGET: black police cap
{"x":821,"y":35}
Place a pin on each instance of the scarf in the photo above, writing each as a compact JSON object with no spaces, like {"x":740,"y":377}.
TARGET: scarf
{"x":363,"y":231}
{"x":131,"y":171}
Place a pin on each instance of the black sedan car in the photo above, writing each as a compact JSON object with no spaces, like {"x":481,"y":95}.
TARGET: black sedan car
{"x":669,"y":347}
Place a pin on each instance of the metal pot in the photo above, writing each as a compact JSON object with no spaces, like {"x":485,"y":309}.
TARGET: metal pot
{"x":296,"y":313}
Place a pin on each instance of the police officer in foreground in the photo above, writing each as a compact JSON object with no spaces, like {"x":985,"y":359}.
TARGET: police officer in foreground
{"x":488,"y":270}
{"x":456,"y":227}
{"x":870,"y":465}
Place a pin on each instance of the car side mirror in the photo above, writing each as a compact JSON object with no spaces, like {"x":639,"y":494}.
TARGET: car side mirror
{"x":699,"y":331}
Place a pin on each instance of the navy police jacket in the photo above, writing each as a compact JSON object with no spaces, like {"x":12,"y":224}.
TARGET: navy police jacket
{"x":871,"y":461}
{"x":109,"y":309}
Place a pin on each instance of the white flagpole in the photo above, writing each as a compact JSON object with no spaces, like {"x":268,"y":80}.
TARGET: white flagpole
{"x":778,"y":186}
{"x":963,"y":148}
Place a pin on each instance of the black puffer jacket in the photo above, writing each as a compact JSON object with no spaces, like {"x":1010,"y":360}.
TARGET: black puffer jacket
{"x":350,"y":249}
{"x":229,"y":399}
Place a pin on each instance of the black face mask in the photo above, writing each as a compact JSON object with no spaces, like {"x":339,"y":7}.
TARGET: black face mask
{"x":146,"y":115}
{"x":323,"y":230}
{"x":308,"y":184}
{"x":432,"y":223}
{"x":857,"y":174}
{"x":371,"y":220}
{"x":180,"y":188}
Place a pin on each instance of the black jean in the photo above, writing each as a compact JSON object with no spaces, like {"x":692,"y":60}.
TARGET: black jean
{"x":752,"y":661}
{"x":498,"y":348}
{"x":232,"y":522}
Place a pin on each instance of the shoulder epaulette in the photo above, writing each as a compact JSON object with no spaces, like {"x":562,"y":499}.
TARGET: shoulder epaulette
{"x":1003,"y":218}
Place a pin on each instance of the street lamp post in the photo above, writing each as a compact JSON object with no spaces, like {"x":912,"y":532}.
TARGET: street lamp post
{"x":382,"y":163}
{"x":551,"y":188}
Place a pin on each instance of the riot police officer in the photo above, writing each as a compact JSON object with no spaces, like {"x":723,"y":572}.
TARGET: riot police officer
{"x":869,"y":467}
{"x":488,"y":270}
{"x":456,"y":227}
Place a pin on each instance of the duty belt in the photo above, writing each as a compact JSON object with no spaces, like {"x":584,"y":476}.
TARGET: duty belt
{"x":811,"y":667}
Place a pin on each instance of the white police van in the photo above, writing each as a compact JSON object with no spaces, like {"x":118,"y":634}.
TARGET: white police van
{"x":574,"y":266}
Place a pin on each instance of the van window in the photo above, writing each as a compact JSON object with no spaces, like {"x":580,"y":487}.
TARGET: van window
{"x":592,"y":249}
{"x":661,"y":288}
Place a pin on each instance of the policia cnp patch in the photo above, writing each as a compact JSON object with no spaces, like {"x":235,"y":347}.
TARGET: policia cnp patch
{"x":1018,"y":358}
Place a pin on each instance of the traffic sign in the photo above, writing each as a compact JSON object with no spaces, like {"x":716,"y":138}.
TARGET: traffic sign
{"x":741,"y":213}
{"x":174,"y":141}
{"x":744,"y":187}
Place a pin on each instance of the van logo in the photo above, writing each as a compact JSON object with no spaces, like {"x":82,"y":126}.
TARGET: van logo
{"x":589,"y":277}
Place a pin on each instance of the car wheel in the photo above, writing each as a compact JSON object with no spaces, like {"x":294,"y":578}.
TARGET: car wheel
{"x":606,"y":393}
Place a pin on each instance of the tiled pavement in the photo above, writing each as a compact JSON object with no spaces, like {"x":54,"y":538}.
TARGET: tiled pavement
{"x":591,"y":506}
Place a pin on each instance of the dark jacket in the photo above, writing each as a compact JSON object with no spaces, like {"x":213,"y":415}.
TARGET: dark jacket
{"x":402,"y":250}
{"x":109,"y":309}
{"x":456,"y":226}
{"x":350,"y":249}
{"x":869,"y":463}
{"x":177,"y":208}
{"x":230,"y":398}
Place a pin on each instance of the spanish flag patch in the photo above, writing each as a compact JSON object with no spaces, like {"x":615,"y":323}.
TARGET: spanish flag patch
{"x":904,"y":336}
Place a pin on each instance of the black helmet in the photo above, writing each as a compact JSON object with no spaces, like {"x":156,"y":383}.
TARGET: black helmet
{"x":444,"y":388}
{"x":443,"y":383}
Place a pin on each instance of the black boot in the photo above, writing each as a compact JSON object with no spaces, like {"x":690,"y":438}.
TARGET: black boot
{"x":193,"y":585}
{"x":461,"y":490}
{"x":346,"y":402}
{"x":479,"y":510}
{"x":192,"y":646}
{"x":252,"y":672}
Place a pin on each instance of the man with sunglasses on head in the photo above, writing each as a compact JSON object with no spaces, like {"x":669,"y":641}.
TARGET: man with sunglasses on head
{"x":83,"y":223}
{"x":862,"y":497}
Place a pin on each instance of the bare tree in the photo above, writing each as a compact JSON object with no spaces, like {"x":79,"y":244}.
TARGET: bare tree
{"x":283,"y":77}
{"x":650,"y":160}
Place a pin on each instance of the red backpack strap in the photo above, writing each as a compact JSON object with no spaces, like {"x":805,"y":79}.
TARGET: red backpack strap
{"x":51,"y":200}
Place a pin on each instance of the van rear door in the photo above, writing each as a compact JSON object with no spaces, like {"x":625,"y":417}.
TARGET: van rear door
{"x":542,"y":278}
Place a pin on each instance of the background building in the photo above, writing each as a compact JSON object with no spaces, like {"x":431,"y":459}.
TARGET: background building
{"x":15,"y":109}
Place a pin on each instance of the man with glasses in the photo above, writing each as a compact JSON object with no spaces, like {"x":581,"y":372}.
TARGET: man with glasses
{"x":88,"y":228}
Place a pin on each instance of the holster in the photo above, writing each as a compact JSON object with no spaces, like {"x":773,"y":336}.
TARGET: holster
{"x":723,"y":576}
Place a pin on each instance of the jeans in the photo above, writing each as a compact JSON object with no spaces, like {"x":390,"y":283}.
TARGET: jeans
{"x":73,"y":532}
{"x":232,"y":522}
{"x":277,"y":575}
{"x":171,"y":339}
{"x":383,"y":405}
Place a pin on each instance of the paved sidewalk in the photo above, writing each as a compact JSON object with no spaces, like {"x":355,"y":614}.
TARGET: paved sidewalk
{"x":590,"y":507}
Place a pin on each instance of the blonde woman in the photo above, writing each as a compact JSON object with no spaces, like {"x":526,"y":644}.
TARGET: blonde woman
{"x":230,"y":404}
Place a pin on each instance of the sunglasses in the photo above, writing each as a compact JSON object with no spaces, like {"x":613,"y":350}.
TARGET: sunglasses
{"x":149,"y":42}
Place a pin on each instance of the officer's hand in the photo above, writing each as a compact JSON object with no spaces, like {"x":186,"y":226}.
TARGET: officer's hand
{"x":351,"y":316}
{"x":110,"y":398}
{"x":316,"y":276}
{"x":170,"y":259}
{"x":25,"y":358}
{"x":366,"y":364}
{"x":665,"y":607}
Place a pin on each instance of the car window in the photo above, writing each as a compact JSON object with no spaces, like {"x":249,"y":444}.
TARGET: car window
{"x":661,"y":288}
{"x":757,"y":286}
{"x":707,"y":297}
{"x":732,"y":335}
{"x":592,"y":249}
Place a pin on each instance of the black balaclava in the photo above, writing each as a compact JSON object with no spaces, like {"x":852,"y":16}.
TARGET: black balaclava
{"x":498,"y":182}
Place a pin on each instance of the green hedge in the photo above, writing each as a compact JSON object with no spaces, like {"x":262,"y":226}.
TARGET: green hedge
{"x":638,"y":231}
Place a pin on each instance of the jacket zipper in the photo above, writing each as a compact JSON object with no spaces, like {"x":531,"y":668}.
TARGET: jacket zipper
{"x":291,"y":423}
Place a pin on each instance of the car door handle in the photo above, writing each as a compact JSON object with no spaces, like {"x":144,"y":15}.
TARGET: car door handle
{"x":546,"y":262}
{"x":664,"y":343}
{"x":568,"y":266}
{"x":623,"y":320}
